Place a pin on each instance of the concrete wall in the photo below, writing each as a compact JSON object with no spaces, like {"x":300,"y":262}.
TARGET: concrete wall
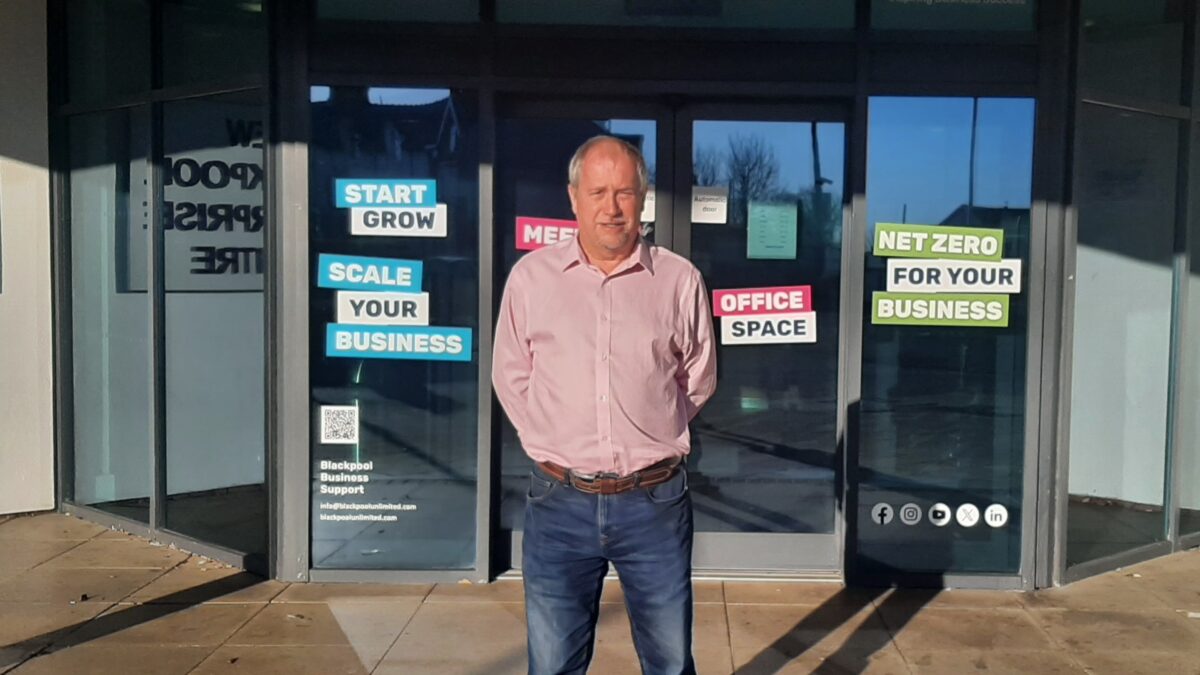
{"x":26,"y":388}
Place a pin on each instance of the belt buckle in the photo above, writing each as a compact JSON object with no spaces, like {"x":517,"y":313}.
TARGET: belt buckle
{"x":591,"y":480}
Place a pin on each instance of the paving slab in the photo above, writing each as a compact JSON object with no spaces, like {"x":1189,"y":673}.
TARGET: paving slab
{"x":763,"y":637}
{"x":23,"y":555}
{"x":179,"y":625}
{"x":42,"y":584}
{"x":48,"y":527}
{"x":279,"y":660}
{"x":200,"y":580}
{"x":460,"y":638}
{"x":115,"y":553}
{"x":1152,"y":630}
{"x":1134,"y":661}
{"x":992,"y":661}
{"x":965,"y":629}
{"x":321,"y":592}
{"x":110,"y":659}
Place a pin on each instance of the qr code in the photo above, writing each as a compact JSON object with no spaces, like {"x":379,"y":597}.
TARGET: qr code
{"x":339,"y":424}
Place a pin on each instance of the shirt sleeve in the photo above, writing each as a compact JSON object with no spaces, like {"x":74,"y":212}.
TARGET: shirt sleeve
{"x":697,"y":374}
{"x":512,"y":360}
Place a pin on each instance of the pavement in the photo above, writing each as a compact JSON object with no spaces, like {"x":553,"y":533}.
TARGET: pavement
{"x":77,"y":598}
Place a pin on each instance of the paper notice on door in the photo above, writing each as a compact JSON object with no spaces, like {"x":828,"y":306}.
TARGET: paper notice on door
{"x":771,"y":231}
{"x":710,"y":204}
{"x":648,"y":206}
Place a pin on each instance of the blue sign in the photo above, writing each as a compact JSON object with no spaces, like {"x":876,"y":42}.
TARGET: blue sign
{"x":374,"y":192}
{"x":421,"y":343}
{"x":358,"y":273}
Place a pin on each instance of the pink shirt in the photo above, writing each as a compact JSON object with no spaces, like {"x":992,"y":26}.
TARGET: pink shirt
{"x":602,"y":374}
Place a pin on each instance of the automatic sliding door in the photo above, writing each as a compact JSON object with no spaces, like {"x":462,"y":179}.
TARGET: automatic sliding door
{"x":534,"y":144}
{"x":764,"y":226}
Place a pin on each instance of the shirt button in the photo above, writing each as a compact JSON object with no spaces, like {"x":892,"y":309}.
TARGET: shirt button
{"x":604,"y":357}
{"x":604,"y":317}
{"x":604,"y":438}
{"x":603,"y":397}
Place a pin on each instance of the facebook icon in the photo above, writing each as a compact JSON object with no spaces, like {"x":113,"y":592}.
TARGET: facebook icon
{"x":882,"y":513}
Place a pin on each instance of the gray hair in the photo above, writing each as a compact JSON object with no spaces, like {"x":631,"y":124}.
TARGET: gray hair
{"x":576,"y":165}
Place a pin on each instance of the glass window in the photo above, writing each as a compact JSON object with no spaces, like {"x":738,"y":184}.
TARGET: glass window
{"x":764,"y":449}
{"x":942,"y":419}
{"x":682,"y":13}
{"x":1125,"y":192}
{"x":213,"y":275}
{"x":110,"y":311}
{"x":1189,"y":404}
{"x":108,"y":48}
{"x":532,"y":210}
{"x":394,"y":385}
{"x":954,"y":15}
{"x":212,"y":39}
{"x":420,"y":11}
{"x":1133,"y":49}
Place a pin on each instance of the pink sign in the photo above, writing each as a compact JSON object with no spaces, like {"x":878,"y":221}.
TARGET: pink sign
{"x":535,"y":233}
{"x":774,"y":300}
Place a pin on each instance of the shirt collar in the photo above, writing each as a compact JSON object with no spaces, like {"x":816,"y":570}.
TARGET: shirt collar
{"x":572,"y":254}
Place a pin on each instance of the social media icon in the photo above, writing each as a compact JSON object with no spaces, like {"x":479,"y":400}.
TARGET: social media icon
{"x":996,"y":515}
{"x":967,"y":515}
{"x":940,"y":515}
{"x":910,"y":514}
{"x":882,"y":513}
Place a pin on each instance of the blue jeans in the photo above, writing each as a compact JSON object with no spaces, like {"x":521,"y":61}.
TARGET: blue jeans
{"x":570,"y":537}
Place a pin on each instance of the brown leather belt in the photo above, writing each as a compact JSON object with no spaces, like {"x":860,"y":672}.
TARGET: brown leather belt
{"x":611,"y":484}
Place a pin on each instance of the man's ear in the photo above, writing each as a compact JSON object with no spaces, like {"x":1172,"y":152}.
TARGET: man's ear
{"x":571,"y":196}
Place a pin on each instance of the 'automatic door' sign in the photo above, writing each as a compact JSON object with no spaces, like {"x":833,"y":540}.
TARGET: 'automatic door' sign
{"x":392,"y":208}
{"x":753,"y":316}
{"x":944,"y":276}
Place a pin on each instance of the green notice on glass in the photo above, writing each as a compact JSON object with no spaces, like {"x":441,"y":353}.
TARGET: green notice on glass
{"x":771,"y":231}
{"x":939,"y":309}
{"x":935,"y":241}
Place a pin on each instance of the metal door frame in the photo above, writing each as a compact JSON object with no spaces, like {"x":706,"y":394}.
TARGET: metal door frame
{"x":674,"y":115}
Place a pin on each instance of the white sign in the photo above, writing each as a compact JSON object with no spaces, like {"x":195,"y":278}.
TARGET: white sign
{"x":761,"y":329}
{"x":940,"y":515}
{"x":996,"y":515}
{"x":953,"y":276}
{"x":710,"y":204}
{"x":386,"y":309}
{"x":399,"y":222}
{"x":648,"y":206}
{"x":910,"y":514}
{"x":967,"y":515}
{"x":881,"y":513}
{"x":339,"y":424}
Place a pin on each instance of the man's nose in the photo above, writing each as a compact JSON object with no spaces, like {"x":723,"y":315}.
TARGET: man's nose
{"x":612,"y":206}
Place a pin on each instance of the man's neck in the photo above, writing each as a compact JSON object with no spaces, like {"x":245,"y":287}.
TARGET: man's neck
{"x":607,"y":261}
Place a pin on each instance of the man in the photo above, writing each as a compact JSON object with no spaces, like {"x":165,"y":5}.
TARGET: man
{"x":604,"y":352}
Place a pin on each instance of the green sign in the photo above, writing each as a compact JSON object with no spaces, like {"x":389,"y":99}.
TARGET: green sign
{"x":939,"y":309}
{"x":936,"y":241}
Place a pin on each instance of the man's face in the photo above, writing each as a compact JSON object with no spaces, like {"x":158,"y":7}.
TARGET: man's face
{"x":606,"y":201}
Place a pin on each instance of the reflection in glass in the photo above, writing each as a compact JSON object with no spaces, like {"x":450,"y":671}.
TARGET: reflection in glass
{"x":1012,"y":15}
{"x":1125,"y":191}
{"x":942,"y":415}
{"x":694,"y":14}
{"x":764,"y":449}
{"x":212,"y":39}
{"x":110,"y":325}
{"x":1188,"y":449}
{"x":417,"y":420}
{"x":1133,"y":49}
{"x":421,"y":11}
{"x":213,"y":275}
{"x":531,"y":182}
{"x":108,"y":48}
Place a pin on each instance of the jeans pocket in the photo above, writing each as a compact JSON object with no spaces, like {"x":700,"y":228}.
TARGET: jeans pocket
{"x":670,"y":491}
{"x":540,"y":487}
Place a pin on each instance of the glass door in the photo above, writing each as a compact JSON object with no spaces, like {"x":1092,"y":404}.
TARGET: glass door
{"x":753,"y":196}
{"x":534,"y":144}
{"x":758,"y":209}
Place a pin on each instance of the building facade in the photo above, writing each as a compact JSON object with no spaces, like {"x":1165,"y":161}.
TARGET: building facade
{"x":251,"y":254}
